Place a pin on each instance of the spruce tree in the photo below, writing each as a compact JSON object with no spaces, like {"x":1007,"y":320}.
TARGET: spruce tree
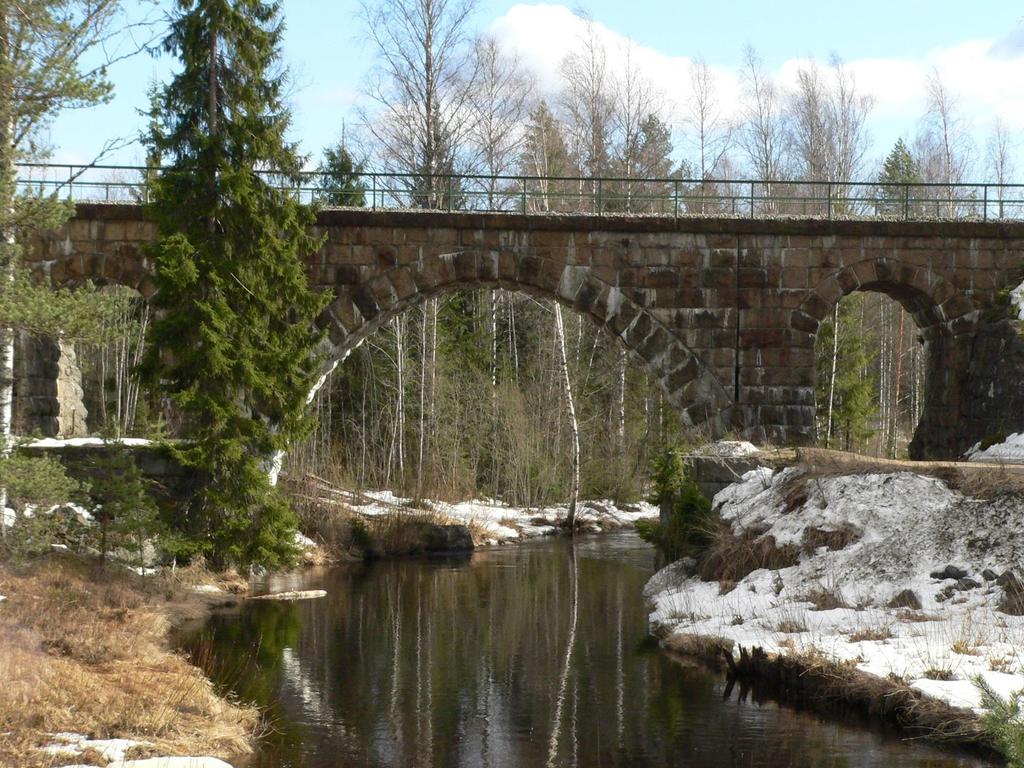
{"x":233,"y":345}
{"x":340,"y":178}
{"x":898,"y":169}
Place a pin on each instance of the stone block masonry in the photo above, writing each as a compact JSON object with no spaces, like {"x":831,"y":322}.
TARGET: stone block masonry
{"x":722,"y":311}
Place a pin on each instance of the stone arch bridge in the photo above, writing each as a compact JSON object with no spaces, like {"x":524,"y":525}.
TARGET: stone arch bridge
{"x":722,"y":311}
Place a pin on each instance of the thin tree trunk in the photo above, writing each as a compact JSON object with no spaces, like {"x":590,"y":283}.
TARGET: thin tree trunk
{"x":400,"y":413}
{"x":896,"y":385}
{"x":574,"y":430}
{"x":8,"y":171}
{"x":832,"y":375}
{"x":423,"y":397}
{"x":622,"y":402}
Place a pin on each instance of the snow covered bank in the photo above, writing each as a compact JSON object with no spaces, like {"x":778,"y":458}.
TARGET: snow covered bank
{"x":730,"y":449}
{"x":502,"y":523}
{"x":87,"y":442}
{"x":491,"y":521}
{"x":1009,"y":451}
{"x":113,"y":753}
{"x":1017,"y":300}
{"x":895,"y":573}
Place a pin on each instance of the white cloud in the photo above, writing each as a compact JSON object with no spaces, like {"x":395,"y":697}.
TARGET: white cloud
{"x":987,"y":76}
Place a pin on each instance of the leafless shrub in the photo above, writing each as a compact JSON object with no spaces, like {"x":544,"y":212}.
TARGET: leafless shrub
{"x":870,"y":634}
{"x":825,"y":598}
{"x":838,"y":538}
{"x":791,"y":626}
{"x":731,"y":557}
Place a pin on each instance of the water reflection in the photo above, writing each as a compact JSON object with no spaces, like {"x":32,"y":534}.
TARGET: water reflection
{"x":528,"y":656}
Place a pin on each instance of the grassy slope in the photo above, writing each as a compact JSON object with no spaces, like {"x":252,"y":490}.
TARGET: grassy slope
{"x":85,"y":649}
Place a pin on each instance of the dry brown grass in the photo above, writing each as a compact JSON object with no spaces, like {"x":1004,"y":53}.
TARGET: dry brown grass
{"x":870,"y":634}
{"x":825,"y":598}
{"x":85,"y":650}
{"x":730,"y":557}
{"x":791,"y":626}
{"x":834,"y":539}
{"x":964,"y":648}
{"x":977,"y":479}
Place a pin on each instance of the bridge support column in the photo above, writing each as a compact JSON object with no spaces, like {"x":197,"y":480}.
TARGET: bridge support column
{"x":974,"y":391}
{"x":47,"y":389}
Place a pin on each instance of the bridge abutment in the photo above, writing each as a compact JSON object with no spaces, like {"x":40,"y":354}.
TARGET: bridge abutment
{"x":47,"y":389}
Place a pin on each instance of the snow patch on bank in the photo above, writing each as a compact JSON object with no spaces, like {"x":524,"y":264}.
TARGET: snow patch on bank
{"x":502,"y":523}
{"x":730,"y":449}
{"x":1017,"y":300}
{"x":1009,"y":451}
{"x":113,"y":751}
{"x":904,"y":527}
{"x":82,"y":442}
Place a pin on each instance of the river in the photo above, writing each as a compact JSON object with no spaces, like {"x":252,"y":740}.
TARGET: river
{"x":523,"y":656}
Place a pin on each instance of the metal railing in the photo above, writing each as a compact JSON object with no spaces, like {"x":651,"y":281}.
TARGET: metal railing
{"x":675,"y":197}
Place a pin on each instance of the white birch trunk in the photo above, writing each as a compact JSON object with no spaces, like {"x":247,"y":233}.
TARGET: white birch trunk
{"x":832,"y":375}
{"x":7,"y":260}
{"x":574,"y":431}
{"x":400,"y":383}
{"x":423,"y":398}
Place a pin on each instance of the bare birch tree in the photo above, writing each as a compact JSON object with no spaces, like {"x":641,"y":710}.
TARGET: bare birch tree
{"x":712,"y":132}
{"x":999,"y":151}
{"x":545,"y":155}
{"x":574,"y":427}
{"x":421,"y":85}
{"x":634,"y":101}
{"x":762,"y":135}
{"x":944,"y":146}
{"x":588,"y":106}
{"x":828,"y":135}
{"x":500,"y":104}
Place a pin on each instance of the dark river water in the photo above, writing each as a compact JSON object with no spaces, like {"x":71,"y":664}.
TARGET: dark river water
{"x":528,"y":656}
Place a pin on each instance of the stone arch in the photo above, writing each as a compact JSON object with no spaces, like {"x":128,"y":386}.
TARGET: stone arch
{"x":123,"y":265}
{"x":946,"y":319}
{"x":367,"y":298}
{"x":934,"y":303}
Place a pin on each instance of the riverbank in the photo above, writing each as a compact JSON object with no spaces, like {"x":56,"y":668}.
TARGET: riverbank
{"x":379,"y":523}
{"x":893,"y":591}
{"x":89,"y":677}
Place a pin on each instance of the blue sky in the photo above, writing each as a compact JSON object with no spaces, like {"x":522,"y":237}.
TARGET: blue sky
{"x":978,"y":47}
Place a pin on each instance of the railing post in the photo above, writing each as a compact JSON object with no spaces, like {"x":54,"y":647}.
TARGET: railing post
{"x":523,"y":182}
{"x":752,"y":199}
{"x":984,"y":208}
{"x":373,"y":191}
{"x":600,"y":196}
{"x":906,"y":202}
{"x":676,"y":186}
{"x":450,"y":179}
{"x":828,"y":193}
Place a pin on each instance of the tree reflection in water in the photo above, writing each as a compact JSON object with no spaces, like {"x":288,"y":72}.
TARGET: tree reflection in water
{"x":520,"y":656}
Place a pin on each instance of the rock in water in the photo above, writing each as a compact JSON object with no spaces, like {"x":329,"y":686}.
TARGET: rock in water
{"x":447,"y":538}
{"x":172,"y":762}
{"x":305,"y":594}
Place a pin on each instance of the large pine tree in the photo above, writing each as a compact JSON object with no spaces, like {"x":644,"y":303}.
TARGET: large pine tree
{"x":233,"y":345}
